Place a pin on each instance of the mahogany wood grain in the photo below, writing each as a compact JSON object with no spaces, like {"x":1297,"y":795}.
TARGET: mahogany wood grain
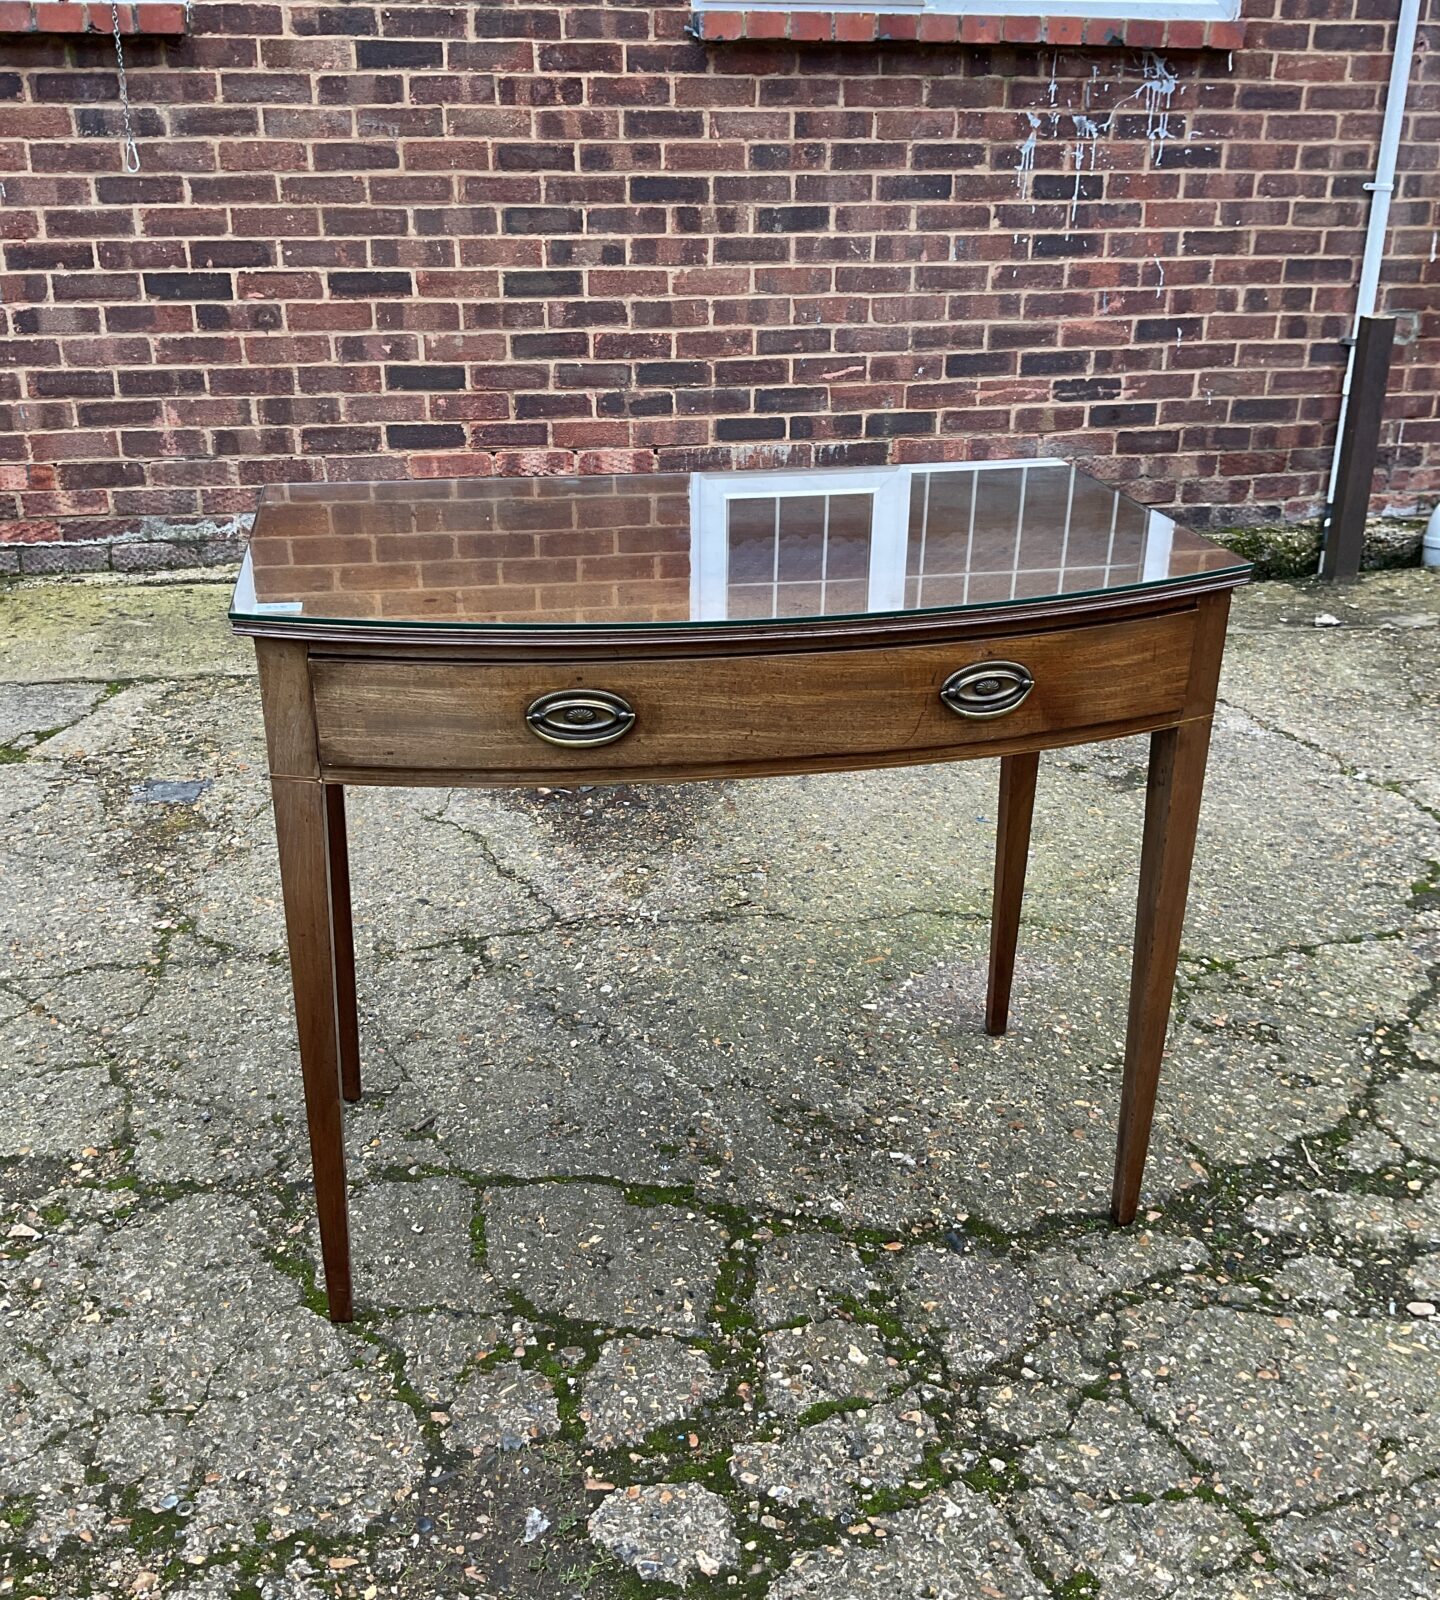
{"x":300,"y":829}
{"x":696,"y":713}
{"x":303,"y":833}
{"x":288,"y":707}
{"x":1172,"y":812}
{"x":1207,"y":652}
{"x":1012,"y":850}
{"x":342,"y":935}
{"x":500,"y":778}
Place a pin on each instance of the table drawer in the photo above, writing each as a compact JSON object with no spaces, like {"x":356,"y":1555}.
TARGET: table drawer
{"x":710,"y":713}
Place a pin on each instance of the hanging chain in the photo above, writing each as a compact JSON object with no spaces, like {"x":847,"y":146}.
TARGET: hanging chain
{"x":129,"y":150}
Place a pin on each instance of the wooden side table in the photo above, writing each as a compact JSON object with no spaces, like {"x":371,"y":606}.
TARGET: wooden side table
{"x":721,"y":625}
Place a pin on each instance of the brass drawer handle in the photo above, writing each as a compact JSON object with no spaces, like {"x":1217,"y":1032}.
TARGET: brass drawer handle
{"x":580,"y":717}
{"x":988,"y":689}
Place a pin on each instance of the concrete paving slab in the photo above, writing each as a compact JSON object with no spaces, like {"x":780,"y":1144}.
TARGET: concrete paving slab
{"x":1293,"y":1412}
{"x":582,"y":1252}
{"x":675,"y":1099}
{"x":638,"y":1385}
{"x":30,"y":713}
{"x":1367,"y":690}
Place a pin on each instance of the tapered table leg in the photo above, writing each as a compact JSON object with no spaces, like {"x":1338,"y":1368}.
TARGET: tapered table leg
{"x":1172,"y":811}
{"x":343,"y":934}
{"x":1012,"y":850}
{"x":300,"y":828}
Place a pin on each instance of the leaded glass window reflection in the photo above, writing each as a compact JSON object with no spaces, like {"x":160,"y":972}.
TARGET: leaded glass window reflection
{"x":800,"y":555}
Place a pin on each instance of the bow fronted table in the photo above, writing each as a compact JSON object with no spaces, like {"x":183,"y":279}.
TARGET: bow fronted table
{"x":675,"y":627}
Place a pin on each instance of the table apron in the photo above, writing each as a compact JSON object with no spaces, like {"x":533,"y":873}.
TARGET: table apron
{"x":403,"y":721}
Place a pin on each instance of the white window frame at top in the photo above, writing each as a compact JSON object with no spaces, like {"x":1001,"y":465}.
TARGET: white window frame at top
{"x":1149,"y":10}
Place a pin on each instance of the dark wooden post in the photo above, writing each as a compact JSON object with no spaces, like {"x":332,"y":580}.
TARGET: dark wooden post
{"x":1359,"y":444}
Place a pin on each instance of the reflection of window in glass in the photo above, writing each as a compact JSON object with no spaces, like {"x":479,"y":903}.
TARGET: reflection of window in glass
{"x":1007,"y":533}
{"x":798,"y":555}
{"x":796,"y":544}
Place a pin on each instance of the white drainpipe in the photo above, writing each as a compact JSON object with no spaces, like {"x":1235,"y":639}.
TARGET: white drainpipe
{"x":1381,"y":190}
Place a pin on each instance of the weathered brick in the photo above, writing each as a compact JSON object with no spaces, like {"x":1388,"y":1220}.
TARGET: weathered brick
{"x":544,"y":220}
{"x":369,"y":284}
{"x":792,"y":219}
{"x":380,"y":55}
{"x":542,"y":285}
{"x":535,"y":158}
{"x":425,"y":436}
{"x":425,"y":377}
{"x":189,"y":285}
{"x":669,"y":191}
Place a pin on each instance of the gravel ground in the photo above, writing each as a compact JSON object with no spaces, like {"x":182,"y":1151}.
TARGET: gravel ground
{"x":704,"y":1242}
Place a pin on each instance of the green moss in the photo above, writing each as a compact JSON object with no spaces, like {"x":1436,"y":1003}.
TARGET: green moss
{"x":18,"y":1512}
{"x":823,"y":1409}
{"x":1425,"y":892}
{"x":986,"y":1478}
{"x":657,"y":1194}
{"x":151,"y":1534}
{"x":1292,"y":549}
{"x":302,"y":1271}
{"x":986,"y":1234}
{"x":888,"y":1502}
{"x":734,"y":1293}
{"x":1078,"y":1586}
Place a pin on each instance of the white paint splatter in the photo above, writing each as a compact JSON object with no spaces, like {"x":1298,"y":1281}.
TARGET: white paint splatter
{"x":1434,"y":237}
{"x":1157,"y":89}
{"x":1025,"y":168}
{"x":1087,"y":136}
{"x":1155,"y":94}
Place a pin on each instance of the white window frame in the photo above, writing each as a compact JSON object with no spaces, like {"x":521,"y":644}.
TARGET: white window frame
{"x":711,"y":493}
{"x":1149,"y":10}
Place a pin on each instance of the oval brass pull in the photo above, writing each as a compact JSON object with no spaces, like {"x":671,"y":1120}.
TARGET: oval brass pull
{"x":988,"y":689}
{"x":580,"y":717}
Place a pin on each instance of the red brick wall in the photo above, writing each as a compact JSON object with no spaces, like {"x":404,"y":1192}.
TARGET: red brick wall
{"x":430,"y":240}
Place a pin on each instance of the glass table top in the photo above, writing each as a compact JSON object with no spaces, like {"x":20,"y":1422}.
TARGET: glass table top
{"x":672,"y":549}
